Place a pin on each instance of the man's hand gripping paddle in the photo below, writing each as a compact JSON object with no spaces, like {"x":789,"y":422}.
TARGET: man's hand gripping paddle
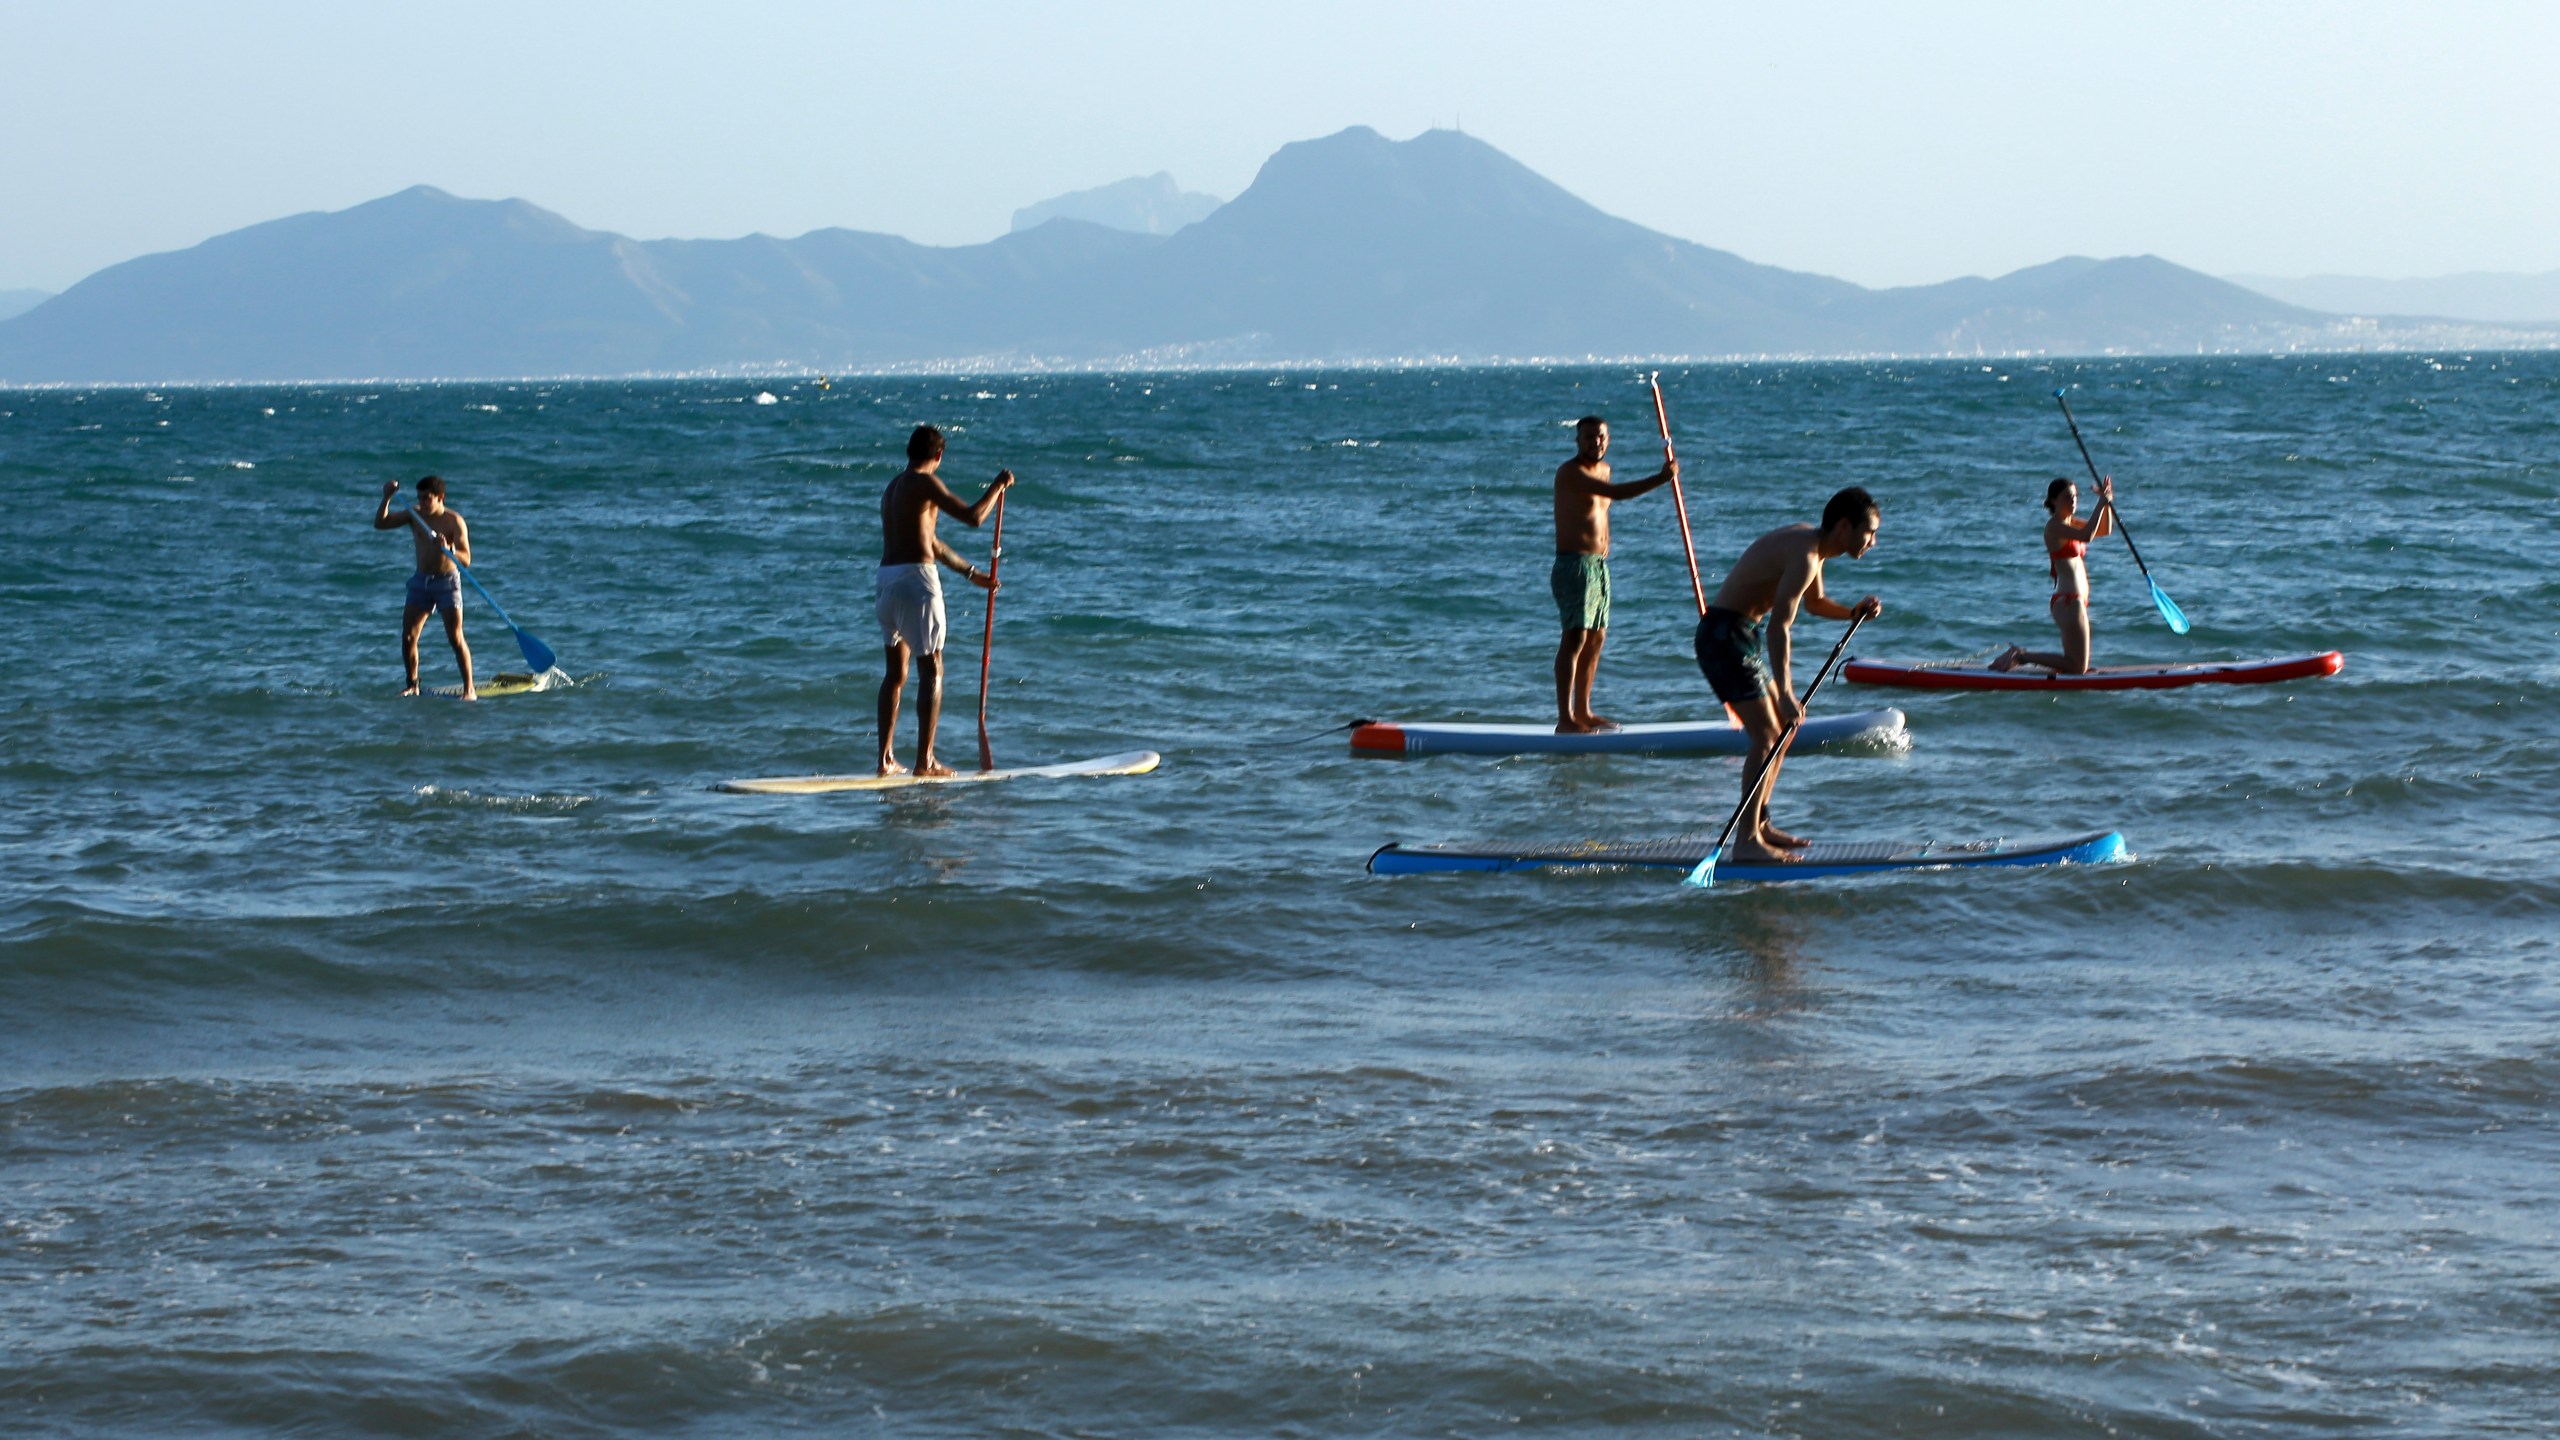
{"x":536,"y":654}
{"x":1679,"y":502}
{"x":987,"y":650}
{"x":1705,"y":873}
{"x":2169,"y":610}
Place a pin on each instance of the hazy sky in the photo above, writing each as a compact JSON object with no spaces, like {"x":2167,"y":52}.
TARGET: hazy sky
{"x":1889,"y":144}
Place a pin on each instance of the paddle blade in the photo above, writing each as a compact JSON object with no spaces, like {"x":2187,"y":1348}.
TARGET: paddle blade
{"x":1704,"y":876}
{"x":2169,"y":610}
{"x":539,"y":656}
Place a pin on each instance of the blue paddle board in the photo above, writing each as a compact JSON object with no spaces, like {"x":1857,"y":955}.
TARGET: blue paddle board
{"x":1815,"y":862}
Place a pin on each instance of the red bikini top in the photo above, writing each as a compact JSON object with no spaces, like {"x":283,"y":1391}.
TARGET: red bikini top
{"x":2069,"y":550}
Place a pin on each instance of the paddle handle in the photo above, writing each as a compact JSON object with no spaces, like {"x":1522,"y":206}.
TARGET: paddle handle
{"x":1751,"y":790}
{"x":987,"y":647}
{"x":2094,"y":475}
{"x":1679,"y":502}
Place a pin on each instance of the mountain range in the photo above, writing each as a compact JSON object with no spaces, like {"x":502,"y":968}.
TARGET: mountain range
{"x":1349,"y":248}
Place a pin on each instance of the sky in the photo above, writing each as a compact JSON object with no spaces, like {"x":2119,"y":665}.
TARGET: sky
{"x":1888,"y":144}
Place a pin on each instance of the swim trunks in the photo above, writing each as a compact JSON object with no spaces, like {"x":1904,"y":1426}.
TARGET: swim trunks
{"x":440,"y":593}
{"x":911,"y":607}
{"x":1580,"y":584}
{"x":1733,"y":653}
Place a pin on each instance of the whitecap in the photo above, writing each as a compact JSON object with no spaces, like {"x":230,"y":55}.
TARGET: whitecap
{"x":766,"y":397}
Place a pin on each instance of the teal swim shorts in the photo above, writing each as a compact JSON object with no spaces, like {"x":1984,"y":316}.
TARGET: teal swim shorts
{"x":1580,"y":584}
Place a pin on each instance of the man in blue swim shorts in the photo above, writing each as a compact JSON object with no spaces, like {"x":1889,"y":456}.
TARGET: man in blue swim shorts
{"x":1745,"y":637}
{"x":1579,"y":579}
{"x":435,"y":587}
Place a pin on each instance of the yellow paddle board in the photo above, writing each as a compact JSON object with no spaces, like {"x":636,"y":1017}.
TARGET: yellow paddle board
{"x":508,"y":682}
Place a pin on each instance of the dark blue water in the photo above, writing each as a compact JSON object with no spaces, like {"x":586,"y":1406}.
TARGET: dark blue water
{"x":381,"y":1067}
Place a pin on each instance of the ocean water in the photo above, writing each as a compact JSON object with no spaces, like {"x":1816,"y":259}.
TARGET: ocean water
{"x":373,"y":1067}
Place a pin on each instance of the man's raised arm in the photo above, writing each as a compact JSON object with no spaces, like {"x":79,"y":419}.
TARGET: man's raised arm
{"x":976,"y":515}
{"x":383,"y":519}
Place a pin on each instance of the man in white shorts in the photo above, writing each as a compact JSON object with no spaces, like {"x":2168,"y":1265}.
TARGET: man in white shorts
{"x":911,"y":619}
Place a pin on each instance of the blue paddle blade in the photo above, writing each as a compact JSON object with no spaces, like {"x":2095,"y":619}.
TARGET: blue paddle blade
{"x":2169,"y":610}
{"x":1704,"y":876}
{"x":539,"y":656}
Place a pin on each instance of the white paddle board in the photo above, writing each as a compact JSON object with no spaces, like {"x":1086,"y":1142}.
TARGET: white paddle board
{"x":1134,"y":762}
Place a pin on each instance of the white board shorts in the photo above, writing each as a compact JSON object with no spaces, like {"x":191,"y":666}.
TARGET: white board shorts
{"x":911,"y":607}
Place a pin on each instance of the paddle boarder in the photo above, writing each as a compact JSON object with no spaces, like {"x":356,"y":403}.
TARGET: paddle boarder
{"x":909,"y":589}
{"x":2066,"y":548}
{"x":1744,"y":643}
{"x":435,"y":587}
{"x":1579,"y":579}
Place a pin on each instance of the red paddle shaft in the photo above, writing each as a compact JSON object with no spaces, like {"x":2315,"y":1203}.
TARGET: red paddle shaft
{"x":987,"y":649}
{"x":1679,"y":502}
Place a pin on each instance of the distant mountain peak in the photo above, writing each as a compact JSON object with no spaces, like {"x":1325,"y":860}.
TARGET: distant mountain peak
{"x":1146,"y":205}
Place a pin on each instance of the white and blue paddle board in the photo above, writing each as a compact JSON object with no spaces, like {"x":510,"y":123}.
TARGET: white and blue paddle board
{"x":1719,"y":736}
{"x":1816,"y":862}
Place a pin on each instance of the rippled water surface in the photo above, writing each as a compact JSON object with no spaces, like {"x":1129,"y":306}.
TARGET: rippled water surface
{"x":381,"y":1067}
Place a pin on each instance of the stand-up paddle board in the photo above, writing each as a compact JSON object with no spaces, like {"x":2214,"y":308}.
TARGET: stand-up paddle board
{"x":1135,"y":762}
{"x":1816,"y":862}
{"x":2103,"y":677}
{"x":509,"y":682}
{"x":1719,"y":736}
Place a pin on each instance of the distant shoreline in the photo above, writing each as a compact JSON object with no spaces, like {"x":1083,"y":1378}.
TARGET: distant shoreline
{"x":1015,"y":368}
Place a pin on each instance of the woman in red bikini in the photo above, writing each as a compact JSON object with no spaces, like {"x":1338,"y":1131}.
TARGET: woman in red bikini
{"x":2066,"y":542}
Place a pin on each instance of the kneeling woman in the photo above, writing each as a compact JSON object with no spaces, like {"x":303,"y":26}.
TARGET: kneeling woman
{"x":2066,"y":542}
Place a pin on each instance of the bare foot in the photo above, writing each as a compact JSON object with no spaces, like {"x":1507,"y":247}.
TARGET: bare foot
{"x":1601,"y":722}
{"x":410,"y":693}
{"x":928,"y":767}
{"x":2009,"y":661}
{"x":890,"y":766}
{"x":1752,"y":852}
{"x":1772,"y":835}
{"x":468,"y":693}
{"x":1574,"y":727}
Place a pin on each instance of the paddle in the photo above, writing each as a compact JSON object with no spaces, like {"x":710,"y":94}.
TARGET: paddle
{"x":536,"y":654}
{"x":987,"y":649}
{"x":1662,"y":417}
{"x":1705,"y":873}
{"x":2169,"y":610}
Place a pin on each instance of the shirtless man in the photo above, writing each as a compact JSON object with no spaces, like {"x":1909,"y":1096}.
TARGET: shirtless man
{"x":910,"y":591}
{"x":1580,"y":577}
{"x":436,"y":586}
{"x":1780,"y":572}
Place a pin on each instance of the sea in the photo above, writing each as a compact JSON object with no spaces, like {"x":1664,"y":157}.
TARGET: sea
{"x":404,"y":1067}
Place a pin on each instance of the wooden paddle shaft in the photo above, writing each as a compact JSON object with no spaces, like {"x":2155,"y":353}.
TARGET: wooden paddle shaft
{"x":1679,"y":502}
{"x":987,"y":647}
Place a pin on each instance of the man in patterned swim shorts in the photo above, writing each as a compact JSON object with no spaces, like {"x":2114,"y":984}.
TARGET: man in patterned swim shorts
{"x":1580,"y":577}
{"x":1746,"y":641}
{"x":435,"y":586}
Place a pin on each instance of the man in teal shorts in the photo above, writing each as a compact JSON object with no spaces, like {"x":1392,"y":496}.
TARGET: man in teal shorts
{"x":1580,"y":578}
